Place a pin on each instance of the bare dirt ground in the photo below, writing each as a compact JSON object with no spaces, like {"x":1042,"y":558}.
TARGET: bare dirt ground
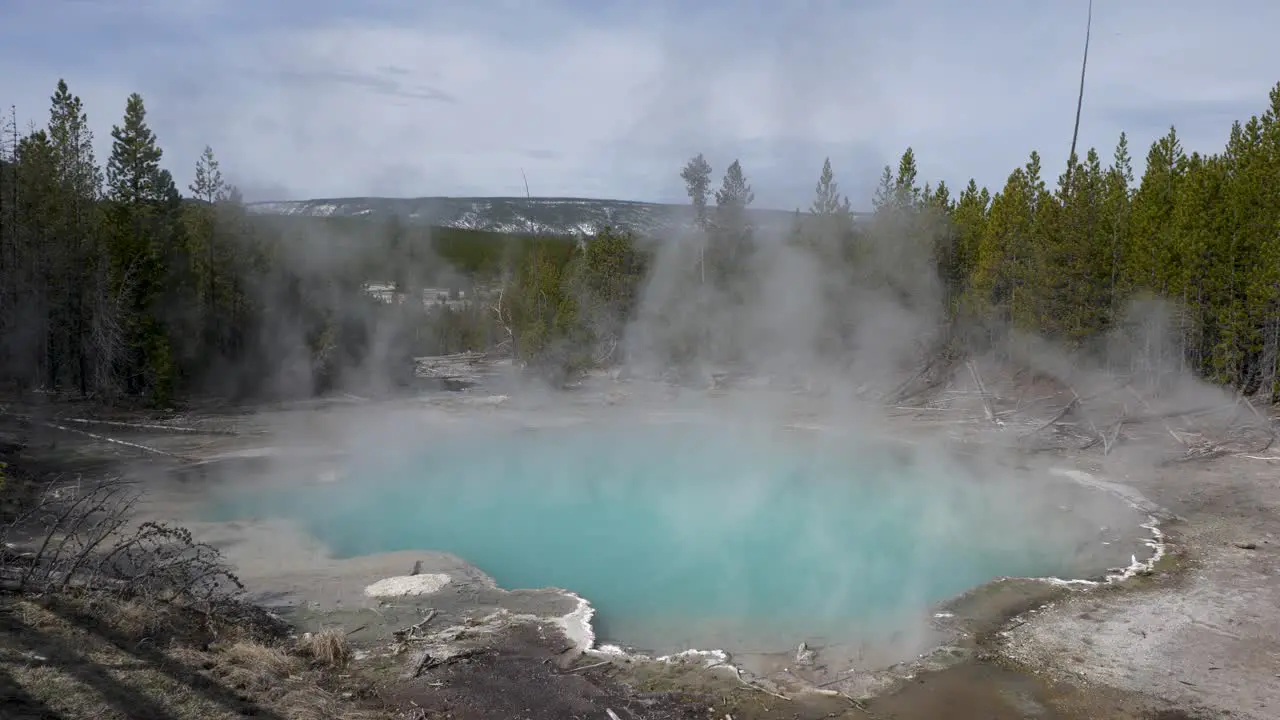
{"x":1208,"y":643}
{"x":1197,"y":637}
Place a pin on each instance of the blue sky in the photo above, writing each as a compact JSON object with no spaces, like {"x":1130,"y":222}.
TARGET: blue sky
{"x":609,"y":98}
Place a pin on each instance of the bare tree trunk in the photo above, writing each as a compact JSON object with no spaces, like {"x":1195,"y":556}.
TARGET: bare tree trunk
{"x":107,"y":331}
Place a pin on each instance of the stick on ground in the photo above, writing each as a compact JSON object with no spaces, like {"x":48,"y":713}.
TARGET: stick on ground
{"x":982,"y":390}
{"x":125,"y":443}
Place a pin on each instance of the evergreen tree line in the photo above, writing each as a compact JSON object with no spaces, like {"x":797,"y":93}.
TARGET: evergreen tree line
{"x":1198,"y":235}
{"x":114,"y":285}
{"x":1200,"y":230}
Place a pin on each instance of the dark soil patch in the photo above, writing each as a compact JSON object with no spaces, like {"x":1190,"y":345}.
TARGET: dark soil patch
{"x":524,"y":674}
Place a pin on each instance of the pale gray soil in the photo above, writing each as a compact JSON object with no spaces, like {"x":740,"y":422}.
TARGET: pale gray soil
{"x":1212,"y":642}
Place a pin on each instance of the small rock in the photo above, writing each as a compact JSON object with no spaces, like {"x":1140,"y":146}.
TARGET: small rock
{"x":804,"y":656}
{"x":1246,"y":545}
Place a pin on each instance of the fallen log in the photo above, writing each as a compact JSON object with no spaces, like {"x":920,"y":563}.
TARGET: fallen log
{"x":1093,"y":428}
{"x":1075,"y":402}
{"x":982,"y":390}
{"x":1163,"y":421}
{"x":125,"y":443}
{"x":1266,"y":423}
{"x":121,"y":424}
{"x":149,"y":426}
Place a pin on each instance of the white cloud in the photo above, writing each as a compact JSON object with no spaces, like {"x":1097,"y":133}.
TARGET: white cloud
{"x":300,"y":101}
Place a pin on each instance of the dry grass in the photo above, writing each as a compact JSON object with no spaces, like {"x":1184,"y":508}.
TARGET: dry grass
{"x":312,"y":703}
{"x":135,"y":620}
{"x":326,"y":647}
{"x":254,"y":667}
{"x":117,"y":660}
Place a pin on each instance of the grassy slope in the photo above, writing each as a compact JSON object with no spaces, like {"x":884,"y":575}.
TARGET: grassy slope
{"x":71,"y":657}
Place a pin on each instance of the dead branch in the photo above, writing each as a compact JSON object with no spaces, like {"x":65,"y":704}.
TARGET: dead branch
{"x":1096,"y":436}
{"x":152,"y":426}
{"x":1163,"y":421}
{"x":584,"y":668}
{"x":896,"y":395}
{"x":1266,"y":423}
{"x":600,"y":358}
{"x":940,"y":362}
{"x":1108,"y":443}
{"x":38,"y":555}
{"x":422,"y":664}
{"x":82,"y":542}
{"x":503,"y":319}
{"x":428,"y":661}
{"x":737,"y":671}
{"x":982,"y":390}
{"x":410,"y":632}
{"x":1021,"y":405}
{"x":1075,"y":402}
{"x":1174,"y":414}
{"x":1202,"y":451}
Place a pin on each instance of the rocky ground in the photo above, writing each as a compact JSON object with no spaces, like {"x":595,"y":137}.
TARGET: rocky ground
{"x":1196,"y":637}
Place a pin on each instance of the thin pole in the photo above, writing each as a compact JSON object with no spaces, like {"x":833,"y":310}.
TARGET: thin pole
{"x":1075,"y":133}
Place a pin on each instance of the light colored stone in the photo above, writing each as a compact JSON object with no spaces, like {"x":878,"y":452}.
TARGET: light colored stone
{"x":402,"y":585}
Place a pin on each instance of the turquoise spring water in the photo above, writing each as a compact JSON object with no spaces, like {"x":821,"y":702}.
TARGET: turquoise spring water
{"x":685,"y":537}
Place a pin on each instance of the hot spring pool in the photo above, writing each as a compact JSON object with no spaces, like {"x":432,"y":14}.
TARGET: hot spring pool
{"x":696,"y":537}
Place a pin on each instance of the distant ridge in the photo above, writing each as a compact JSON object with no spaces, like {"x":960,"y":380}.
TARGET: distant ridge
{"x":540,"y":216}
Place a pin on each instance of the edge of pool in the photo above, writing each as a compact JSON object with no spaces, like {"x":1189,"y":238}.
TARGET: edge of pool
{"x":577,"y":626}
{"x":948,"y":631}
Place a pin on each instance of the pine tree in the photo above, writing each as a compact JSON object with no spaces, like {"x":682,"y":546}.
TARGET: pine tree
{"x":996,"y":268}
{"x":209,"y":249}
{"x":1198,"y":222}
{"x":143,"y":225}
{"x":1115,"y":220}
{"x":732,"y":199}
{"x":831,"y":220}
{"x":76,"y":254}
{"x":133,"y":172}
{"x":72,"y":142}
{"x":1152,"y":243}
{"x":883,"y":198}
{"x":608,"y":280}
{"x":208,"y":184}
{"x":1254,"y":220}
{"x":728,"y":260}
{"x":735,"y":193}
{"x":1071,"y":252}
{"x":34,"y":286}
{"x":1266,"y":281}
{"x":827,"y":200}
{"x":969,"y":216}
{"x":906,"y":193}
{"x":900,"y":251}
{"x":1153,"y":255}
{"x":697,"y":180}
